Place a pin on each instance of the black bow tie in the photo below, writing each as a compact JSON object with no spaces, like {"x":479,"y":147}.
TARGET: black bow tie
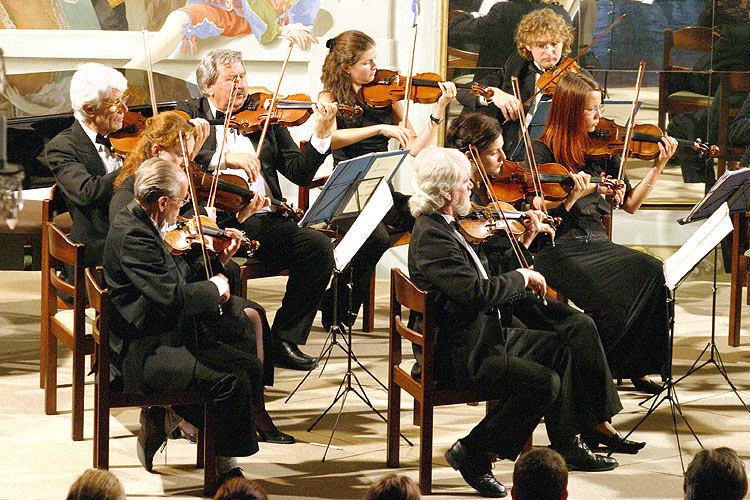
{"x":100,"y":139}
{"x":220,"y":115}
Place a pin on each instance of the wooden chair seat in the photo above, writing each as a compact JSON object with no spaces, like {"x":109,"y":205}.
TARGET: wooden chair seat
{"x":426,"y":395}
{"x":106,"y":398}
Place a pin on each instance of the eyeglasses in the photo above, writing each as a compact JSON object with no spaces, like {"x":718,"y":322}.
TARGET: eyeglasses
{"x":592,"y":111}
{"x":180,"y":201}
{"x":119,"y":103}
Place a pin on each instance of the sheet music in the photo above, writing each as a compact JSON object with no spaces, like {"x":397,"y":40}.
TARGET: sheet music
{"x":729,"y":182}
{"x":708,"y":235}
{"x":376,"y":208}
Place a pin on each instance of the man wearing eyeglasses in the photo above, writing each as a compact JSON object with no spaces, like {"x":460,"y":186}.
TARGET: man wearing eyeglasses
{"x":81,"y":157}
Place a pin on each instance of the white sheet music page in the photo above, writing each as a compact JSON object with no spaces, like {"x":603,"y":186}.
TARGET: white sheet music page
{"x":378,"y":205}
{"x":698,"y":246}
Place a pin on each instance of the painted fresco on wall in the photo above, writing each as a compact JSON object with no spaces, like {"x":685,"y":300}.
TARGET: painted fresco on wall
{"x":179,"y":26}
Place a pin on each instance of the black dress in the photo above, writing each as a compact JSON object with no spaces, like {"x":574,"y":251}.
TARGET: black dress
{"x":622,"y":289}
{"x":397,"y":220}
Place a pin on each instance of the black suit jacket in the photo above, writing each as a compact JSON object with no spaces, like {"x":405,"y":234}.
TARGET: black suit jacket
{"x":151,"y":293}
{"x":280,"y":153}
{"x":80,"y":173}
{"x":495,"y":32}
{"x":468,"y":327}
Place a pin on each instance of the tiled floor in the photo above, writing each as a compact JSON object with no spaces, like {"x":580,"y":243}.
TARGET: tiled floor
{"x":40,"y":461}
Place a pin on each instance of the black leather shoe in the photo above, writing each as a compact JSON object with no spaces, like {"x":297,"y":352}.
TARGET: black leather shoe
{"x":275,"y":436}
{"x":476,"y":470}
{"x":617,"y":444}
{"x":152,"y":435}
{"x":578,"y":457}
{"x":288,"y":355}
{"x":647,"y":386}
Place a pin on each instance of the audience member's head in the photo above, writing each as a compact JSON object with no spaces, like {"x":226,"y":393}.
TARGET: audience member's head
{"x":715,"y":474}
{"x":239,"y":488}
{"x":393,"y":487}
{"x":540,"y":475}
{"x":96,"y":484}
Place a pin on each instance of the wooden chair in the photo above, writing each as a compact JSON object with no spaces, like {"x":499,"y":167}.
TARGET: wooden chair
{"x":691,"y":38}
{"x":106,"y":399}
{"x":53,"y":210}
{"x":426,"y":395}
{"x":740,"y":275}
{"x":731,"y":82}
{"x":67,"y":326}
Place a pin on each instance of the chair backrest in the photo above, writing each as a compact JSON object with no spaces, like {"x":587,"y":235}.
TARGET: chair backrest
{"x":99,"y":301}
{"x":692,"y":38}
{"x":407,"y":294}
{"x":60,"y":249}
{"x":730,"y":82}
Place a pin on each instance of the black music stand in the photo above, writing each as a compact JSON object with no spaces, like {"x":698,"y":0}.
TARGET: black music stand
{"x":733,"y":188}
{"x":676,"y":269}
{"x":358,"y":188}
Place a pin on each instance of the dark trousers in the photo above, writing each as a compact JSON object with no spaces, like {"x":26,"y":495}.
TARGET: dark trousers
{"x":526,"y":390}
{"x":307,"y":255}
{"x":232,"y":378}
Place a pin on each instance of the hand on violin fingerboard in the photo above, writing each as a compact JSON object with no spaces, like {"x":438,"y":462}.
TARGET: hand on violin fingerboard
{"x":246,"y":161}
{"x":667,"y":149}
{"x":203,"y":130}
{"x":229,"y":246}
{"x":449,"y":93}
{"x":259,"y":201}
{"x":324,"y":116}
{"x":534,"y":226}
{"x":581,"y":187}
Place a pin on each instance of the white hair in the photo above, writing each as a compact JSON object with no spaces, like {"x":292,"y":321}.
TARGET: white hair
{"x":437,"y":173}
{"x":91,"y":84}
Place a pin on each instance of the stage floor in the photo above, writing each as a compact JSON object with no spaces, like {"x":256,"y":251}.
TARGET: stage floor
{"x":40,"y":461}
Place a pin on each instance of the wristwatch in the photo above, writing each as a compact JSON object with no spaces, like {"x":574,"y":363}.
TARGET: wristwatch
{"x":436,"y":121}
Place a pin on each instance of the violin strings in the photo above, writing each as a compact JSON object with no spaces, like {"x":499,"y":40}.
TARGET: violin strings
{"x":530,"y":160}
{"x":515,"y":245}
{"x":196,"y":208}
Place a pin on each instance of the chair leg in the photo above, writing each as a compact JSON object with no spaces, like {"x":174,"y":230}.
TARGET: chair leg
{"x":208,"y":451}
{"x":79,"y":374}
{"x":425,"y":450}
{"x":417,"y":413}
{"x":394,"y":425}
{"x":50,"y":379}
{"x":368,"y":307}
{"x":101,"y":434}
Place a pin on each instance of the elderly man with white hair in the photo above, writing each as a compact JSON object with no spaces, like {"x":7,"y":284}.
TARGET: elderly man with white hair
{"x":81,"y":157}
{"x":534,"y":373}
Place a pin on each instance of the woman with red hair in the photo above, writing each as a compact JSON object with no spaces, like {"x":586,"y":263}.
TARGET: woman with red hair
{"x":622,"y":289}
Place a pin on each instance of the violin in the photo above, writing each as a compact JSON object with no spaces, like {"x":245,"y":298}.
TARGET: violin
{"x":182,"y":238}
{"x":290,"y":111}
{"x":609,"y":139}
{"x":389,"y":87}
{"x":124,"y":140}
{"x":482,"y":222}
{"x":548,"y":80}
{"x":232,"y":192}
{"x":515,"y":182}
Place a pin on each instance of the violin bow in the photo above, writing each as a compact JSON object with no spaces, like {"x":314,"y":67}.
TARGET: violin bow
{"x":572,"y":61}
{"x":408,"y":90}
{"x":631,"y":123}
{"x":227,"y":119}
{"x":196,"y":208}
{"x":272,"y":107}
{"x":150,"y":72}
{"x":530,"y":160}
{"x":474,"y":152}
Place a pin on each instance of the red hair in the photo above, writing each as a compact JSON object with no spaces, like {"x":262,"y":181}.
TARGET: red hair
{"x":565,"y":131}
